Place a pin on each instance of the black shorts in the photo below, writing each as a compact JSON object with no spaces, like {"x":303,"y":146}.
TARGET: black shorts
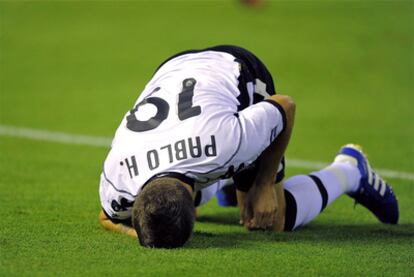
{"x":252,"y":68}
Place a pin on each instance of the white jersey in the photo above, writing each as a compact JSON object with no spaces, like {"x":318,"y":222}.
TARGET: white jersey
{"x":186,"y":122}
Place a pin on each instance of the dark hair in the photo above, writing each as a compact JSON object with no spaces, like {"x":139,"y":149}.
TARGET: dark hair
{"x":163,"y":214}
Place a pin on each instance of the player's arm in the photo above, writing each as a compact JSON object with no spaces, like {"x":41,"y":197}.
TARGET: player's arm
{"x":264,"y":203}
{"x":272,"y":156}
{"x":116,"y":227}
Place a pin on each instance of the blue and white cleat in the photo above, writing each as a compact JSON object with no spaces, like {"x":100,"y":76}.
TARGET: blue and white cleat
{"x":373,"y":192}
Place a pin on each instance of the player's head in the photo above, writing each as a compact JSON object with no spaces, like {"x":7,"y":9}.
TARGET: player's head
{"x":163,"y":214}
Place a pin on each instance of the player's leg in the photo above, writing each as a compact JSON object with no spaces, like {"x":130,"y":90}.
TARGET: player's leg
{"x":206,"y":194}
{"x":226,"y":194}
{"x":308,"y":195}
{"x":350,"y":173}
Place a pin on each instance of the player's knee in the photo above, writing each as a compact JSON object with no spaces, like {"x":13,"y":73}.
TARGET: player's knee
{"x":163,"y":214}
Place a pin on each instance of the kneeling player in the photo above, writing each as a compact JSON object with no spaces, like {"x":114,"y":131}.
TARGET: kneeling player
{"x":209,"y":118}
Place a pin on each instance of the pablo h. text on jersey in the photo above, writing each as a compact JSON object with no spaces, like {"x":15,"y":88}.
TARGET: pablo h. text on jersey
{"x":190,"y":148}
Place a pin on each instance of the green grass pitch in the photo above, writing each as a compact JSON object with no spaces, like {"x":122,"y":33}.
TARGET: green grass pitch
{"x":77,"y":67}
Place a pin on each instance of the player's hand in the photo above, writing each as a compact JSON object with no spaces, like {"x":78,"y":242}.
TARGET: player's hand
{"x":260,"y":207}
{"x":119,"y":228}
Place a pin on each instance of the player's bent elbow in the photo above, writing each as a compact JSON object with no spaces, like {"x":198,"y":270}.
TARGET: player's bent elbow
{"x":288,"y":105}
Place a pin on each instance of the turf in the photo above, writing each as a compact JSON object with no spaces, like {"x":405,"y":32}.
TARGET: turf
{"x":77,"y":67}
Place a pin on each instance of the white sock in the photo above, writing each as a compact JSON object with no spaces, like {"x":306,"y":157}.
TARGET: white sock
{"x":313,"y":192}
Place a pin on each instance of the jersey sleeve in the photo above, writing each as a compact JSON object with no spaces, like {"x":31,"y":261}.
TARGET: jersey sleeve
{"x":116,"y":204}
{"x":260,"y":124}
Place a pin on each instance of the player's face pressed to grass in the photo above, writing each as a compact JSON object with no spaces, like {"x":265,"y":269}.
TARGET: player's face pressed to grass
{"x":224,"y":127}
{"x":163,"y":214}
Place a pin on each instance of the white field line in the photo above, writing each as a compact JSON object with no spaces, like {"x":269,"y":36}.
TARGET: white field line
{"x":50,"y":136}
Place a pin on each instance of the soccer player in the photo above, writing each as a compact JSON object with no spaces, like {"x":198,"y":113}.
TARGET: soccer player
{"x":209,"y":119}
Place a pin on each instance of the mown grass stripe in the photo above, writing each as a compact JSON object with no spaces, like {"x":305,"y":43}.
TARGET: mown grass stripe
{"x":96,"y":141}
